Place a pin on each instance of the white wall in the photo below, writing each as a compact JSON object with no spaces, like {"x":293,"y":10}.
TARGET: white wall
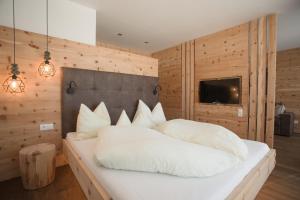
{"x":67,"y":20}
{"x":289,"y":30}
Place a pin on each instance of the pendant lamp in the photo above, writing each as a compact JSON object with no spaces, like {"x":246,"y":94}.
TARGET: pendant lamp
{"x":46,"y":68}
{"x":13,"y":83}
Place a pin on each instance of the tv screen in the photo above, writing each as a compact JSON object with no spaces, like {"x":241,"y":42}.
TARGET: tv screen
{"x":220,"y":91}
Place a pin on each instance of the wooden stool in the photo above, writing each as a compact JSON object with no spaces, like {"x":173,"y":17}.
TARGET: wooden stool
{"x":37,"y":165}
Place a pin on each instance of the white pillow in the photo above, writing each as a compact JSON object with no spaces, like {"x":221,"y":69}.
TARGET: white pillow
{"x":88,"y":122}
{"x":102,"y":112}
{"x":143,"y":120}
{"x":123,"y":119}
{"x":157,"y":115}
{"x":142,"y":108}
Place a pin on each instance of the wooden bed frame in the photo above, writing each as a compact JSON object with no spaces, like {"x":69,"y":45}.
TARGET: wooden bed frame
{"x":95,"y":86}
{"x":246,"y":190}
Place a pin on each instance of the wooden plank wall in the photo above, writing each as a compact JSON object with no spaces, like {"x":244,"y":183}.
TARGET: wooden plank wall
{"x":288,"y":82}
{"x":271,"y":79}
{"x":20,"y":115}
{"x":220,"y":55}
{"x":253,"y":73}
{"x":261,"y":78}
{"x":189,"y":68}
{"x":240,"y":51}
{"x":170,"y":80}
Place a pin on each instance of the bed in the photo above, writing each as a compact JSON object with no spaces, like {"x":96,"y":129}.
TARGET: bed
{"x":242,"y":182}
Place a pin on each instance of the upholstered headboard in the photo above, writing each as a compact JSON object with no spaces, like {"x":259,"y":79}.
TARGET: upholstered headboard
{"x":118,"y":91}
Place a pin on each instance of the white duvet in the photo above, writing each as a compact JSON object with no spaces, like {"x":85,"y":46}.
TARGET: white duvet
{"x":206,"y":134}
{"x":142,"y":149}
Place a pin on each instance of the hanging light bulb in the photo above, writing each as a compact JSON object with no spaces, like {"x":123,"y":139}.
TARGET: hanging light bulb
{"x":13,"y":83}
{"x":46,"y":68}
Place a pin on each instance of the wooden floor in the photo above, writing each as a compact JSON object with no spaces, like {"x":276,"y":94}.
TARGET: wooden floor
{"x":283,"y":184}
{"x":65,"y":187}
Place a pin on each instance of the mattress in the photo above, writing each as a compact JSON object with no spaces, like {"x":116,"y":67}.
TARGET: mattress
{"x":130,"y":185}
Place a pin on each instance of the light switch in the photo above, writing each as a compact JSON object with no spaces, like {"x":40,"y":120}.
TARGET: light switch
{"x":240,"y":112}
{"x":46,"y":127}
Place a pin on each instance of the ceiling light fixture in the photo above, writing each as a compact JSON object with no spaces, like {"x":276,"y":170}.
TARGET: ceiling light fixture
{"x":13,"y":83}
{"x":46,"y":68}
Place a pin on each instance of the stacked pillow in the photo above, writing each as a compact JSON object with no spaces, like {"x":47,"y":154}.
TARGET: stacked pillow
{"x":88,"y":122}
{"x":143,"y":116}
{"x":123,"y":119}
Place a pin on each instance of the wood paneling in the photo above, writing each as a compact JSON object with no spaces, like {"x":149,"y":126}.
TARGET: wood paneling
{"x":183,"y":81}
{"x":261,"y":78}
{"x":220,"y":55}
{"x":240,"y":51}
{"x":189,"y":68}
{"x":170,"y":80}
{"x":20,"y":115}
{"x":288,"y":82}
{"x":271,"y":79}
{"x":253,"y":41}
{"x":192,"y":81}
{"x":176,"y":78}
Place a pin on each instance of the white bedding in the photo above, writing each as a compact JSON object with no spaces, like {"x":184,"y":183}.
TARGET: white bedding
{"x":142,"y":149}
{"x":207,"y":134}
{"x":129,"y":185}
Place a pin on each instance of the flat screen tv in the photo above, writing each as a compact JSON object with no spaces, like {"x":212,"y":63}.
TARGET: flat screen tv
{"x":220,"y":91}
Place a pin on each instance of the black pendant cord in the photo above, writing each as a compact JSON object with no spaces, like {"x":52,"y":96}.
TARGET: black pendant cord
{"x":14,"y":31}
{"x":14,"y":67}
{"x":47,"y":22}
{"x":47,"y":53}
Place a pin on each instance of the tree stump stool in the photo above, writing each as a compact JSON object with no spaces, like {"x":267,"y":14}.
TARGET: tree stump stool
{"x":37,"y":165}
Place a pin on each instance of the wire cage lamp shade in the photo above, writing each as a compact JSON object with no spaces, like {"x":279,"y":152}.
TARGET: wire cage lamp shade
{"x":14,"y":83}
{"x":46,"y":68}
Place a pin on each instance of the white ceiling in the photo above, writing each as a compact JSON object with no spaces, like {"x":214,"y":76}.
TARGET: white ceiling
{"x":289,"y":30}
{"x":165,"y":23}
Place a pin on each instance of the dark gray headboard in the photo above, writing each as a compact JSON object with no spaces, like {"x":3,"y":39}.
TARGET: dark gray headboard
{"x":118,"y":91}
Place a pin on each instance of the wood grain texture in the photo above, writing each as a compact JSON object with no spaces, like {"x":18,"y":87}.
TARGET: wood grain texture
{"x":271,"y":79}
{"x":192,"y":81}
{"x":261,"y":79}
{"x":255,"y":179}
{"x":87,"y":180}
{"x":20,"y":115}
{"x":220,"y":55}
{"x":170,"y":80}
{"x":187,"y":79}
{"x":189,"y":66}
{"x":284,"y":182}
{"x":37,"y":165}
{"x":253,"y":33}
{"x":288,"y":81}
{"x":240,"y":51}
